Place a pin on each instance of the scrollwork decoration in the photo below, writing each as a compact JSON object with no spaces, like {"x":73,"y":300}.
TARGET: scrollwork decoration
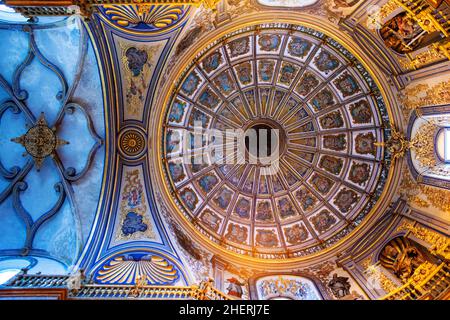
{"x":17,"y":104}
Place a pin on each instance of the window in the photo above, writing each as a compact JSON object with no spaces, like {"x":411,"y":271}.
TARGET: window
{"x":442,"y":144}
{"x":287,"y":3}
{"x":447,"y":145}
{"x":8,"y":14}
{"x":7,"y":274}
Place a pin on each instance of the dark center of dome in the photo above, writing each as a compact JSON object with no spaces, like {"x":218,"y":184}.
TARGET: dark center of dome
{"x":261,"y":140}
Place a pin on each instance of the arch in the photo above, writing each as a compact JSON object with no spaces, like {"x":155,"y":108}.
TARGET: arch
{"x":440,"y":175}
{"x":292,"y":286}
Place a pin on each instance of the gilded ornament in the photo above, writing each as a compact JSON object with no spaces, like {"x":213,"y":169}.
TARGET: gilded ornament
{"x":134,"y":222}
{"x":40,"y":141}
{"x":132,"y":143}
{"x":155,"y":17}
{"x":423,"y":144}
{"x":145,"y":270}
{"x":423,"y":195}
{"x":137,"y":64}
{"x":439,"y":243}
{"x":397,"y":144}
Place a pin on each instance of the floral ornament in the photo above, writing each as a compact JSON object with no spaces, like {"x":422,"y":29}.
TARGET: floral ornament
{"x":41,"y":140}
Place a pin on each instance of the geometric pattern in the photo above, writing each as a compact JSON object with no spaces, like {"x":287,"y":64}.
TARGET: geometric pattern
{"x":329,"y":112}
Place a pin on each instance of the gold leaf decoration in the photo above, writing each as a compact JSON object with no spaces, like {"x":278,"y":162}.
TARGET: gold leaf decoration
{"x":423,"y":144}
{"x":377,"y":277}
{"x":155,"y":16}
{"x":422,"y":95}
{"x":130,"y":270}
{"x":439,"y":243}
{"x":425,"y":196}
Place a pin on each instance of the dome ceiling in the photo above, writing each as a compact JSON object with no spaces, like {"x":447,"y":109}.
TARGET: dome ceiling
{"x":329,"y":113}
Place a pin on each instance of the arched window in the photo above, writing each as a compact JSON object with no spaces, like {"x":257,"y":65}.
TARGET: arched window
{"x":286,"y":287}
{"x":430,"y":153}
{"x":7,"y":274}
{"x":9,"y":15}
{"x":287,"y":3}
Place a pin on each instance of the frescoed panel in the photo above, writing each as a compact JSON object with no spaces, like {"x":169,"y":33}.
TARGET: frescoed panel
{"x":331,"y":164}
{"x":286,"y":208}
{"x":296,"y":234}
{"x":213,"y":61}
{"x":266,"y":70}
{"x":345,"y":200}
{"x":268,"y":43}
{"x":240,"y":47}
{"x":237,"y":233}
{"x":243,"y":207}
{"x":178,"y":111}
{"x":225,"y":83}
{"x":298,"y":48}
{"x":134,"y":219}
{"x":322,"y":100}
{"x":326,"y":63}
{"x":266,"y":237}
{"x":332,"y":120}
{"x":174,"y":141}
{"x":403,"y":34}
{"x":307,"y":200}
{"x":222,"y":198}
{"x":308,"y":82}
{"x":288,"y":72}
{"x":198,"y":117}
{"x":347,"y":85}
{"x":335,"y":142}
{"x":138,"y":63}
{"x":286,"y":287}
{"x":264,"y":211}
{"x":360,"y":113}
{"x":192,"y":83}
{"x":364,"y":143}
{"x":190,"y":198}
{"x":244,"y":73}
{"x":177,"y":170}
{"x":359,"y":173}
{"x":207,"y":182}
{"x":209,"y":99}
{"x":210,"y":219}
{"x":321,"y":183}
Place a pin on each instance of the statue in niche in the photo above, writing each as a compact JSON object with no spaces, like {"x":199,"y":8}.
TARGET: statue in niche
{"x":402,"y":257}
{"x":235,"y":287}
{"x":339,"y":286}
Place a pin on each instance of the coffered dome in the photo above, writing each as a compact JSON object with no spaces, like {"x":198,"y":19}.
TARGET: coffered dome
{"x":329,"y":114}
